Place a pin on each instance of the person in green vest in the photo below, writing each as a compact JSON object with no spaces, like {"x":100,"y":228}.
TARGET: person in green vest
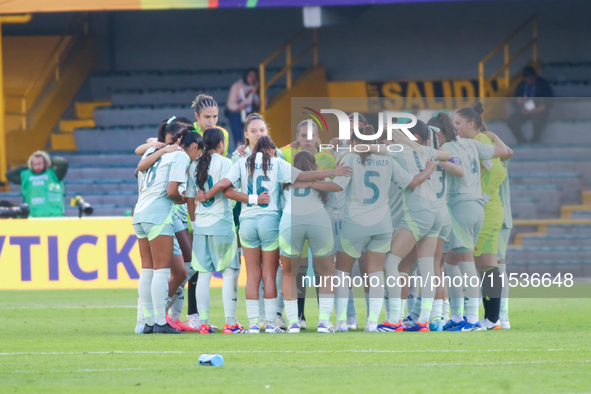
{"x":206,"y":114}
{"x":42,"y":184}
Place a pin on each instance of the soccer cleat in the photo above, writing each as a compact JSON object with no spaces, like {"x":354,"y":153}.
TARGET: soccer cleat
{"x":262,"y":324}
{"x":505,"y":325}
{"x":172,"y":323}
{"x":272,"y":329}
{"x":488,"y":325}
{"x":342,"y":326}
{"x":407,"y":322}
{"x":165,"y":329}
{"x":206,"y":329}
{"x":293,"y":328}
{"x":371,"y":326}
{"x":435,"y":326}
{"x":471,"y":327}
{"x":148,"y":329}
{"x":451,"y":325}
{"x":195,"y":323}
{"x":386,"y":326}
{"x":418,"y":327}
{"x":235,"y":329}
{"x":325,"y":328}
{"x":214,"y":327}
{"x":352,"y":323}
{"x":280,"y":322}
{"x":303,"y":325}
{"x":184,"y":327}
{"x":254,"y":329}
{"x":139,"y":329}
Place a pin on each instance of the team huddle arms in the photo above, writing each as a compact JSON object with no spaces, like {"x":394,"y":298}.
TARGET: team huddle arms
{"x":432,"y":204}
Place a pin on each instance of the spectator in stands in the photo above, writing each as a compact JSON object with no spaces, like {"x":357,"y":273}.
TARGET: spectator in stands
{"x":532,"y":104}
{"x":41,"y":184}
{"x":243,"y":100}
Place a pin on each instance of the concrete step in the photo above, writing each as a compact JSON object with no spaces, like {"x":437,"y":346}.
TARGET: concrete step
{"x":101,"y":173}
{"x":579,"y":268}
{"x":548,"y":253}
{"x":99,"y":158}
{"x":565,"y":229}
{"x":565,"y":240}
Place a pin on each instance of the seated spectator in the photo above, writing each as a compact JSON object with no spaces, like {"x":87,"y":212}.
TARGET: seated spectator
{"x":532,"y":104}
{"x":41,"y":184}
{"x":243,"y":100}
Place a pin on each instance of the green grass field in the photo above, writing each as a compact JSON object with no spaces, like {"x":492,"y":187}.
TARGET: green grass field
{"x":82,"y":341}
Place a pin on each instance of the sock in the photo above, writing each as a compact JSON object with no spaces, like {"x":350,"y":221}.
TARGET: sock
{"x":491,"y":292}
{"x":456,"y":293}
{"x":416,"y":310}
{"x":160,"y":294}
{"x":410,"y":303}
{"x":376,"y":295}
{"x":191,"y":293}
{"x":145,"y":295}
{"x":472,"y":292}
{"x":341,"y":295}
{"x":252,"y":311}
{"x":414,"y":289}
{"x":301,"y":304}
{"x":402,"y":307}
{"x":351,"y":312}
{"x":279,"y":281}
{"x":504,"y":312}
{"x":325,"y":308}
{"x":437,"y":311}
{"x":427,"y":270}
{"x":445,"y":310}
{"x":202,"y":295}
{"x":394,"y":304}
{"x":291,"y":311}
{"x":270,"y":310}
{"x":366,"y":303}
{"x":301,"y":293}
{"x":140,"y":313}
{"x":262,"y":302}
{"x":175,"y":306}
{"x":230,"y":294}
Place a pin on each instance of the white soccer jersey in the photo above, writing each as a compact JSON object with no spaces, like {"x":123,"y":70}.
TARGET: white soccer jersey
{"x":153,"y":204}
{"x":302,"y":201}
{"x":367,"y":190}
{"x":213,"y":217}
{"x":278,"y":173}
{"x":470,"y":152}
{"x":423,"y":196}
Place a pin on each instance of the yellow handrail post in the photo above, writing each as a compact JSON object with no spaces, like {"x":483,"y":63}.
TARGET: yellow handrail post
{"x":481,"y":92}
{"x":288,"y":65}
{"x":3,"y":162}
{"x":262,"y":86}
{"x":507,"y":74}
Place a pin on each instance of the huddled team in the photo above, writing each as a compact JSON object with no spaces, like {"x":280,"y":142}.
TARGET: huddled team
{"x":438,"y":204}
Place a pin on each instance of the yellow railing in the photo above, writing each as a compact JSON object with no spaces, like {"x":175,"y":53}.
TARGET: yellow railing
{"x":508,"y":60}
{"x":289,"y":63}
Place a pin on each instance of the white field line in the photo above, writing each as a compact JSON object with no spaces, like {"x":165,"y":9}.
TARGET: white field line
{"x":282,"y":351}
{"x":314,"y":366}
{"x":38,"y":306}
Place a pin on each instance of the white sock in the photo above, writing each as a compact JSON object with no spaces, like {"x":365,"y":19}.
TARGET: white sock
{"x":376,"y":295}
{"x":416,"y":309}
{"x":456,"y":293}
{"x":230,"y":294}
{"x":291,"y":311}
{"x":351,"y":304}
{"x":160,"y":294}
{"x":394,"y":291}
{"x":140,"y":313}
{"x":325,"y":304}
{"x":445,"y":310}
{"x":145,"y":295}
{"x":366,"y":303}
{"x":202,"y":295}
{"x":176,"y":304}
{"x":504,"y":311}
{"x":270,"y":310}
{"x":437,"y":311}
{"x":341,"y":294}
{"x":279,"y":281}
{"x":472,"y":293}
{"x":252,"y":311}
{"x":402,"y":307}
{"x":262,"y":302}
{"x":427,"y":269}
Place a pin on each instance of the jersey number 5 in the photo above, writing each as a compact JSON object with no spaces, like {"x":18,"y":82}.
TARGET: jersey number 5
{"x":367,"y":182}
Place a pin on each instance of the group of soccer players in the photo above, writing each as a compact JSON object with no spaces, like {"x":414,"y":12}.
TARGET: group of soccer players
{"x":436,"y":205}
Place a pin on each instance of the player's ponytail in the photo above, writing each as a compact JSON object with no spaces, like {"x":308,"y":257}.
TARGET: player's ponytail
{"x":364,"y":130}
{"x":211,"y":140}
{"x":172,"y":125}
{"x":305,"y":161}
{"x":188,"y":138}
{"x":443,"y":122}
{"x":265,"y":146}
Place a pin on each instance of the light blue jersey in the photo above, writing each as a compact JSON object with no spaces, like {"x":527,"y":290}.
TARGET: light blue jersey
{"x":278,"y":172}
{"x":469,"y":152}
{"x":213,"y":217}
{"x":367,"y":203}
{"x":154,"y":205}
{"x":236,"y":156}
{"x":423,"y":196}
